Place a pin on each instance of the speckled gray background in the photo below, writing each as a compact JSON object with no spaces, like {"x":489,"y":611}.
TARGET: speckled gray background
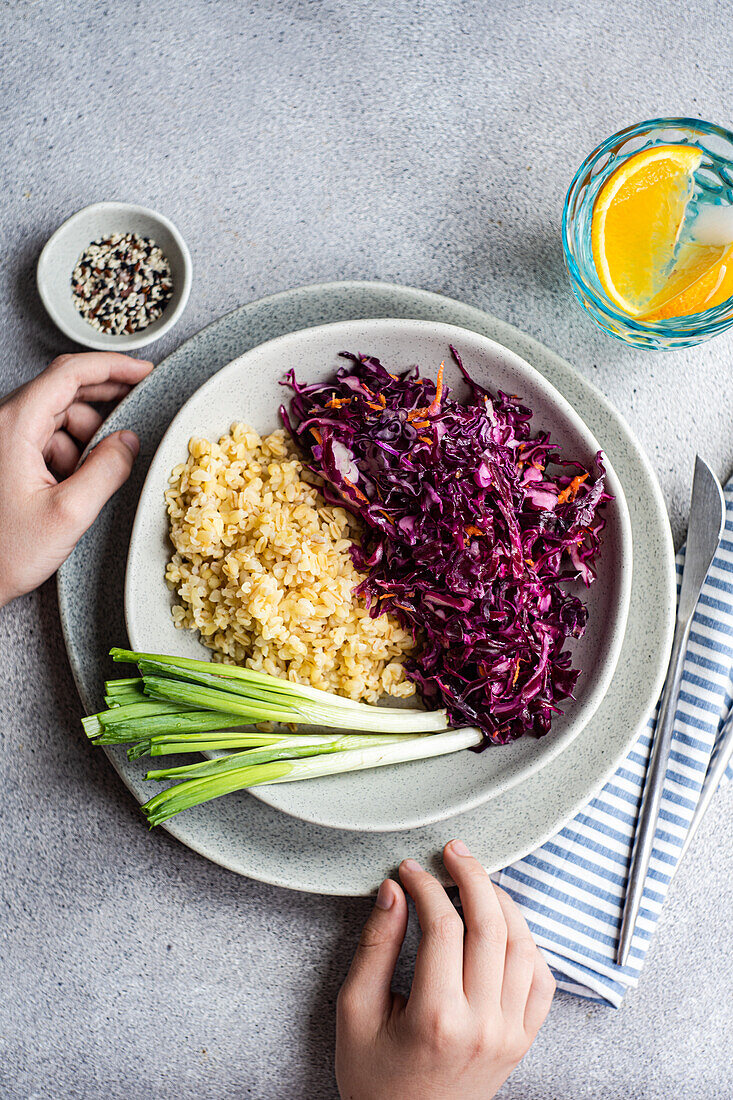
{"x":429,"y":144}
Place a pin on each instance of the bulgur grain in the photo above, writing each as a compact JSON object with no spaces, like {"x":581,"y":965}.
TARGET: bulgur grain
{"x":262,"y":570}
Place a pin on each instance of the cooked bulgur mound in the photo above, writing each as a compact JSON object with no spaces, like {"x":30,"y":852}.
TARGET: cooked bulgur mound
{"x":262,"y":570}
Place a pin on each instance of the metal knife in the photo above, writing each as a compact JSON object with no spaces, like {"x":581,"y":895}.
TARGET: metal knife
{"x":707,"y":520}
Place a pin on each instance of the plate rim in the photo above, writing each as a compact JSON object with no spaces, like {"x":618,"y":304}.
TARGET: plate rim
{"x":597,"y":687}
{"x":343,"y":295}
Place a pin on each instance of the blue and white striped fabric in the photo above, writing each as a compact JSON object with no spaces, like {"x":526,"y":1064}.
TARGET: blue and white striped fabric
{"x":571,"y":890}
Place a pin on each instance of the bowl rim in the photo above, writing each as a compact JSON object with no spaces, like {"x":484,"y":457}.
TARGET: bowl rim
{"x":131,"y":340}
{"x":600,"y":685}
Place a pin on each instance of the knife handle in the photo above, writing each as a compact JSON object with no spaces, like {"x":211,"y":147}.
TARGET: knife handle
{"x":656,"y":773}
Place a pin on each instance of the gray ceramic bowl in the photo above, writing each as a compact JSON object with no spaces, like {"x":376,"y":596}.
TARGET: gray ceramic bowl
{"x":408,"y":795}
{"x":62,"y":250}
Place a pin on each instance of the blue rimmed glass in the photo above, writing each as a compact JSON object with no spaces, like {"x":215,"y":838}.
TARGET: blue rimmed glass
{"x":714,"y":178}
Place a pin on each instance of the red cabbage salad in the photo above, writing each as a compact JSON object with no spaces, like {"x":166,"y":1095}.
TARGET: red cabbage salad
{"x":474,"y":530}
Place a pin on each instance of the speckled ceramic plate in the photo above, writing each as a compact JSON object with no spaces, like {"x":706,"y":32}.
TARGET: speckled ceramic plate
{"x":253,"y":839}
{"x":410,"y":795}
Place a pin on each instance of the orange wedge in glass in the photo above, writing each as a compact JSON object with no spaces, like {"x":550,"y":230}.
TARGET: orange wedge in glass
{"x":636,"y":224}
{"x":702,"y":277}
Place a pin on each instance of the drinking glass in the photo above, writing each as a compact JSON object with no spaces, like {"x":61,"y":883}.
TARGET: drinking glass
{"x":713,"y":185}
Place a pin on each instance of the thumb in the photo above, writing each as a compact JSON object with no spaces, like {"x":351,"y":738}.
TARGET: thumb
{"x":368,"y":984}
{"x":82,"y":496}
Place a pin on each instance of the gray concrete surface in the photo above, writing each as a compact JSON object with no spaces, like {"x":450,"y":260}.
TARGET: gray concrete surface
{"x":428,"y":144}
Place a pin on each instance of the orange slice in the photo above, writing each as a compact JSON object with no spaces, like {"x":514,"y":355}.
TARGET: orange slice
{"x":702,"y":278}
{"x":636,"y":223}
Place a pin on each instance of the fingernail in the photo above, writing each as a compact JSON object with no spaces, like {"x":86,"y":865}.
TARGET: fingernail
{"x":385,"y":896}
{"x":145,"y":362}
{"x":459,"y":848}
{"x":131,"y":442}
{"x":411,"y":865}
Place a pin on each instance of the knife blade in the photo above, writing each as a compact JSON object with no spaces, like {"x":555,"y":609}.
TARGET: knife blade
{"x":707,"y":520}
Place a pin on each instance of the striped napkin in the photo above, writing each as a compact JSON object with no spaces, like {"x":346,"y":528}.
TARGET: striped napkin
{"x":571,"y":890}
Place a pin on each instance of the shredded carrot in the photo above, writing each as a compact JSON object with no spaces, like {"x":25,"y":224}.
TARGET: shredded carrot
{"x":382,"y":400}
{"x":373,"y":406}
{"x":425,"y":439}
{"x":428,"y":410}
{"x":358,"y":492}
{"x":337,"y":402}
{"x":471,"y":530}
{"x":317,"y":435}
{"x":435,"y":407}
{"x":516,"y":676}
{"x":416,"y":415}
{"x":572,"y":490}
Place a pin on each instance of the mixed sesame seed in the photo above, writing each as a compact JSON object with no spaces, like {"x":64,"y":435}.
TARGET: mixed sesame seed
{"x":121,"y":283}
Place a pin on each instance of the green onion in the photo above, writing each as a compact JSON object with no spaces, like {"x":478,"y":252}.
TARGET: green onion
{"x":167,"y":744}
{"x":179,"y":705}
{"x":193,"y":695}
{"x":192,"y":721}
{"x":193,"y":792}
{"x":123,"y":698}
{"x":287,"y":748}
{"x":114,"y":687}
{"x":246,"y":676}
{"x":119,"y":716}
{"x":291,"y":709}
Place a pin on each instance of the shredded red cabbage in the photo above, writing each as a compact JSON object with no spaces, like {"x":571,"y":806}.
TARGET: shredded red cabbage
{"x":468,"y":538}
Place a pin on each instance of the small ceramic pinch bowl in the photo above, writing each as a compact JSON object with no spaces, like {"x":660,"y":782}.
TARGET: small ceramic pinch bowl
{"x":61,"y":252}
{"x":406,"y":795}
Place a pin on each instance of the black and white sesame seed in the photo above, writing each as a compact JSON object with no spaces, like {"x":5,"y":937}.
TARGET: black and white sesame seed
{"x":121,"y":283}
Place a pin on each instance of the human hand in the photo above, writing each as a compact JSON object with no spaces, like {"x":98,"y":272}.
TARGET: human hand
{"x":479,"y":994}
{"x":45,"y":506}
